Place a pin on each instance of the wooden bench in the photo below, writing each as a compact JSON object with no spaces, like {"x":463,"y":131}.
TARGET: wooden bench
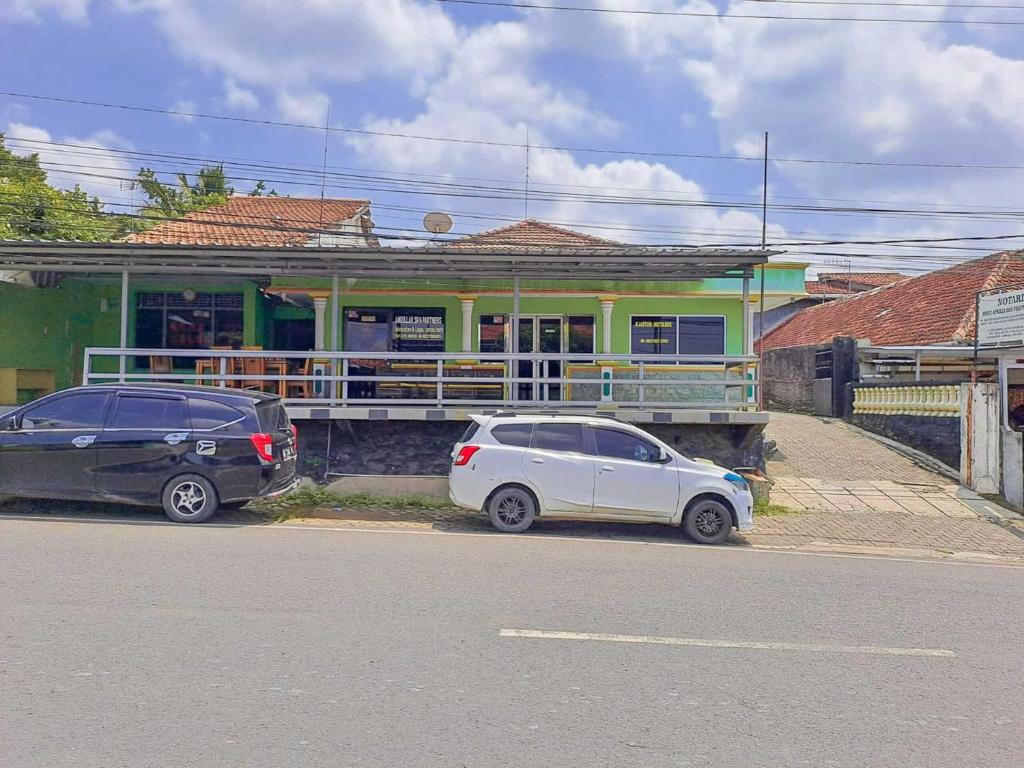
{"x":35,"y":381}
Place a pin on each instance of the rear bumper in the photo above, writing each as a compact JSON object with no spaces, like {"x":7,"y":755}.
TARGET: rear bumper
{"x":287,"y":487}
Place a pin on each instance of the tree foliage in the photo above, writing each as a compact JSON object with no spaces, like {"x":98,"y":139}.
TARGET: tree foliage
{"x":166,"y":201}
{"x":30,"y":208}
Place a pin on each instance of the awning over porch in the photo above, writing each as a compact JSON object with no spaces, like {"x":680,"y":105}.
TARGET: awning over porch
{"x":595,"y":262}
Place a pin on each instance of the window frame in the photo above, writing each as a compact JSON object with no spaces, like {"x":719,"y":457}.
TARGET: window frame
{"x":586,"y":449}
{"x":26,"y":413}
{"x":679,"y":318}
{"x":595,"y":428}
{"x":109,"y":426}
{"x":529,"y":443}
{"x":163,"y":309}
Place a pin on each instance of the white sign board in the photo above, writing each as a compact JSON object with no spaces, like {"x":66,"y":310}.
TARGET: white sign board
{"x":1001,"y":319}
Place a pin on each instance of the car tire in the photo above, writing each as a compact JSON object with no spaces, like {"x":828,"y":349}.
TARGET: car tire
{"x":708,"y":521}
{"x":190,"y":499}
{"x":511,"y":509}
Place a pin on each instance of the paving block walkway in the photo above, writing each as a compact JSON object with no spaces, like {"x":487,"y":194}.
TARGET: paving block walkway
{"x":852,"y":491}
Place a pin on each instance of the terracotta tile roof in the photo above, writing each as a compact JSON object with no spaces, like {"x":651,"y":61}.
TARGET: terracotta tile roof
{"x":259,"y":221}
{"x":835,"y":283}
{"x":935,"y":308}
{"x":531,"y":232}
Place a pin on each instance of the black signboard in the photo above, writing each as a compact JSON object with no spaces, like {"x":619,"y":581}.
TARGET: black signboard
{"x":418,"y":330}
{"x":653,"y":335}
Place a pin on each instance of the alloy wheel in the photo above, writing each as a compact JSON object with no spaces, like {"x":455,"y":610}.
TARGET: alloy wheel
{"x":511,"y":510}
{"x":709,"y":521}
{"x":188,"y":499}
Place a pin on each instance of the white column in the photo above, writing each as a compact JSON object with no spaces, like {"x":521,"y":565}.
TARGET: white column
{"x":319,"y":310}
{"x":467,"y":322}
{"x":607,"y":306}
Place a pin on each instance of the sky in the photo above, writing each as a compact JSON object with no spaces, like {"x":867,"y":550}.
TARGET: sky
{"x":644,"y":128}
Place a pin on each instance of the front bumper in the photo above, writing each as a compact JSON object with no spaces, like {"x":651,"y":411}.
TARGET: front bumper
{"x":744,"y":503}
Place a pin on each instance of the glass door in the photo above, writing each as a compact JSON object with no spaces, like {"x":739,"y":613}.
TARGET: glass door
{"x":540,"y":334}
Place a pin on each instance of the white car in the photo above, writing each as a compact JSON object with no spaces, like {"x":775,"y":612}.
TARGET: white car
{"x":518,"y":467}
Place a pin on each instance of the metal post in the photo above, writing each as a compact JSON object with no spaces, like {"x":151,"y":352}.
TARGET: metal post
{"x":334,"y":335}
{"x":917,"y":366}
{"x":764,"y":240}
{"x":514,"y":338}
{"x":122,"y":360}
{"x":747,"y":336}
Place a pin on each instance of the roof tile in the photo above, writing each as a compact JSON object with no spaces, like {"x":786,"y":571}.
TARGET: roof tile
{"x":934,"y":308}
{"x":254,"y":221}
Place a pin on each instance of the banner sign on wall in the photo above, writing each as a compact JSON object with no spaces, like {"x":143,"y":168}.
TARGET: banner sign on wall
{"x":1001,"y":319}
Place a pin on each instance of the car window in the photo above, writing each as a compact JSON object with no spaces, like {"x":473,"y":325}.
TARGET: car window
{"x":470,"y":431}
{"x":559,"y":437}
{"x":134,"y":412}
{"x":273,"y":417}
{"x":513,"y":434}
{"x":616,"y":444}
{"x":84,"y":410}
{"x":209,"y":414}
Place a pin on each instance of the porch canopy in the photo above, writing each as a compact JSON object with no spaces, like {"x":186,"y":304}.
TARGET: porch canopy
{"x":593,"y":262}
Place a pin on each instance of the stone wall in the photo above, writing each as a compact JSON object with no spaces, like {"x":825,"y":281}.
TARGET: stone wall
{"x":787,"y":376}
{"x":938,"y":436}
{"x":407,"y":448}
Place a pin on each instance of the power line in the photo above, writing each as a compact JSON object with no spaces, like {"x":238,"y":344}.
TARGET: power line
{"x":512,"y":145}
{"x":708,"y":15}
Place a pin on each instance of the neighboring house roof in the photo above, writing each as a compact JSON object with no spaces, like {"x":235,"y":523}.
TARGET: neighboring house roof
{"x":845,"y":283}
{"x":934,"y":308}
{"x":531,"y":232}
{"x":256,"y":221}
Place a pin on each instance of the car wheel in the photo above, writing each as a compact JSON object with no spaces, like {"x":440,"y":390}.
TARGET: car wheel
{"x":708,"y":522}
{"x":512,"y":510}
{"x":190,"y":499}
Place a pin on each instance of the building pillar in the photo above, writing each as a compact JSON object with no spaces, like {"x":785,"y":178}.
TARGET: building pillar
{"x":607,"y":307}
{"x":319,"y":312}
{"x":467,"y":322}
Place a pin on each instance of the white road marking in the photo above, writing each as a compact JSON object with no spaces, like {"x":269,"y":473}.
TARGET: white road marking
{"x":495,"y":535}
{"x":742,"y":644}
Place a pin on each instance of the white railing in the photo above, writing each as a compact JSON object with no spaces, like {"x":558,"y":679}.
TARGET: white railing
{"x":908,"y":401}
{"x":443,"y":379}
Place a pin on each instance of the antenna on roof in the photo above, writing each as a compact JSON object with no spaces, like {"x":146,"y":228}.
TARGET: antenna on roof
{"x":437,"y":223}
{"x":844,"y":261}
{"x":526,"y":183}
{"x":323,"y":175}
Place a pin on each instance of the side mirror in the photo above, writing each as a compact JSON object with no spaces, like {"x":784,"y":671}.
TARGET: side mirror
{"x":9,"y":423}
{"x":663,"y":457}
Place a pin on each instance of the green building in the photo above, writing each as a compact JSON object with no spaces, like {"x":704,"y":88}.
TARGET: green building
{"x":298,"y":296}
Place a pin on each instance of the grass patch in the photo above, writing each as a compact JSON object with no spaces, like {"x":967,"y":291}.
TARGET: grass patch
{"x":765,"y":508}
{"x":308,"y":497}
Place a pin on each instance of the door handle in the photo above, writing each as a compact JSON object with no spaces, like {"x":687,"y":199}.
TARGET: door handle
{"x":606,"y":468}
{"x":536,"y":460}
{"x":175,"y":437}
{"x":83,"y":441}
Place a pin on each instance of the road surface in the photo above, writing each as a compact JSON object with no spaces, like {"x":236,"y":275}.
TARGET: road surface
{"x":158,"y":645}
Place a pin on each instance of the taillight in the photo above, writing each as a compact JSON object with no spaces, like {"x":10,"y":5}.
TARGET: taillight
{"x":264,"y":445}
{"x":464,"y":455}
{"x":295,"y":435}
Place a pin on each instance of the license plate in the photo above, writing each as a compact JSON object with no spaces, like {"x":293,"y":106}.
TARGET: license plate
{"x":288,"y":453}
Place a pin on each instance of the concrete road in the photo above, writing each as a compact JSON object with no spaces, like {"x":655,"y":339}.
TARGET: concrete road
{"x":158,"y":645}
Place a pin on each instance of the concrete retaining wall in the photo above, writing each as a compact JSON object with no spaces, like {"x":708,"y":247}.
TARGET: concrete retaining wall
{"x":787,"y":376}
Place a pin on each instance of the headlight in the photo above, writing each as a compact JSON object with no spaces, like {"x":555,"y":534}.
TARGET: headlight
{"x":736,"y":480}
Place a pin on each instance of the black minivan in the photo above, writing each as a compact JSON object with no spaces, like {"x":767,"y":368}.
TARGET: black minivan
{"x":188,"y":449}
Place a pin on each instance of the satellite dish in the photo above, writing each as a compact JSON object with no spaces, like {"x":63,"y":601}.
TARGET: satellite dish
{"x":437,"y":223}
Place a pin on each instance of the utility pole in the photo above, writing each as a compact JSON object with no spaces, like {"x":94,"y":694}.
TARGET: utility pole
{"x":764,"y":242}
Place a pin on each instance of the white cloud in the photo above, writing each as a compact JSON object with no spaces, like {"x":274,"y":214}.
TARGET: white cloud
{"x":239,"y":98}
{"x":298,"y":47}
{"x":34,"y":10}
{"x":184,"y":106}
{"x":89,"y":162}
{"x":302,"y":108}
